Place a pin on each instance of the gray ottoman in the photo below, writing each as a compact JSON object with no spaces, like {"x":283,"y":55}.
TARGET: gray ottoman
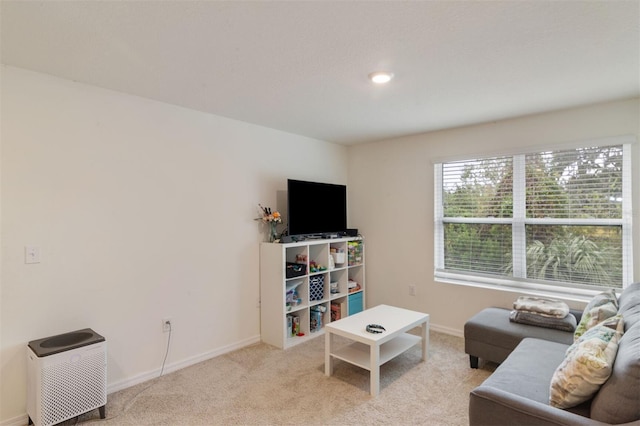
{"x":491,"y":336}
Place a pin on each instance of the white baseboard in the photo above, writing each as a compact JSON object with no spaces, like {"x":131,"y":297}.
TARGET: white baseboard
{"x":446,"y":330}
{"x":169,"y":368}
{"x":140,"y":378}
{"x":16,"y":421}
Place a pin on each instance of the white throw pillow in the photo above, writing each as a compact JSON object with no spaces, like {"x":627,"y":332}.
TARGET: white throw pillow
{"x":587,"y":364}
{"x":601,"y":307}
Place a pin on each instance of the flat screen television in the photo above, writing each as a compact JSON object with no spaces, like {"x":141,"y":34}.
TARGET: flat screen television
{"x":316,"y":208}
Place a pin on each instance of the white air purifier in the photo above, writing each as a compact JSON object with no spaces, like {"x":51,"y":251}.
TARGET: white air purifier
{"x":66,"y":376}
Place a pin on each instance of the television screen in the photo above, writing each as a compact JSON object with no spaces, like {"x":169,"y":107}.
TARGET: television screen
{"x":316,"y":208}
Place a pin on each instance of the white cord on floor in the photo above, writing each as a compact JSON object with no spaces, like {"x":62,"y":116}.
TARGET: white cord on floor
{"x":132,"y":400}
{"x":167,"y":352}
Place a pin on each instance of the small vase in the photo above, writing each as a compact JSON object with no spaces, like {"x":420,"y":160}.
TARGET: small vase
{"x":273,"y":233}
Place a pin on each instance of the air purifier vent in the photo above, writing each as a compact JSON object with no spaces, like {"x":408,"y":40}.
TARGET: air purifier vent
{"x":66,"y":377}
{"x":72,"y":388}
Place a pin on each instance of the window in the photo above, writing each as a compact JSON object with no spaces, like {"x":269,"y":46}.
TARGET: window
{"x":555,"y":220}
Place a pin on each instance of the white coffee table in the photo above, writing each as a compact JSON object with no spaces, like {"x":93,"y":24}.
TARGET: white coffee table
{"x":370,"y":351}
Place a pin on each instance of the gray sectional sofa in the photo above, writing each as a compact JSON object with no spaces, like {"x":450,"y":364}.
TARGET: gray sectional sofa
{"x":517,"y":393}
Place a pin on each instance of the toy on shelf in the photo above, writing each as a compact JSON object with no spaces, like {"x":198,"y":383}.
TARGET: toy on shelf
{"x":316,"y":267}
{"x":354,"y":252}
{"x":293,"y":326}
{"x":292,"y":298}
{"x":316,"y":317}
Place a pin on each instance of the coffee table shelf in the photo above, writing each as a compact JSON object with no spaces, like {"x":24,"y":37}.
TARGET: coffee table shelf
{"x":359,"y":354}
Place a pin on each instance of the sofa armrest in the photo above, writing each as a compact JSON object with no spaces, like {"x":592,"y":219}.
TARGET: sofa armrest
{"x":492,"y":406}
{"x":576,"y":313}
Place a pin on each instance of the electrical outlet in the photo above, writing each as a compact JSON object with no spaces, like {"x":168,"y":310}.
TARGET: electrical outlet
{"x":31,"y":254}
{"x":412,"y":290}
{"x":167,"y":323}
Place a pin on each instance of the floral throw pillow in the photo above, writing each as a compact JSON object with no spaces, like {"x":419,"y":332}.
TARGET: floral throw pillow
{"x":587,"y":364}
{"x":601,"y":307}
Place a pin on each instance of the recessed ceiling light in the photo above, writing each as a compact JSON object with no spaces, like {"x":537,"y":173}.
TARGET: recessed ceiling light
{"x":380,"y":77}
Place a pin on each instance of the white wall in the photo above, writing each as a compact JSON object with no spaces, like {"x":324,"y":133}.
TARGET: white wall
{"x":391,"y":202}
{"x":142,"y":210}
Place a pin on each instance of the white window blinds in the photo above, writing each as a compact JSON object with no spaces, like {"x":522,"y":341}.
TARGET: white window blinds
{"x":558,"y":217}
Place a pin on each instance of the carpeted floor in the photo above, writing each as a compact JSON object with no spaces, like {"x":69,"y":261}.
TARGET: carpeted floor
{"x":262,"y":385}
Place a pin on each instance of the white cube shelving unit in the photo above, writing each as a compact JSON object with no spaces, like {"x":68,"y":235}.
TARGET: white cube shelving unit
{"x":274,"y":284}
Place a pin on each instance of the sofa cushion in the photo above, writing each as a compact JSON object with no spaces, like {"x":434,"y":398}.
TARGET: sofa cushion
{"x":527,"y":371}
{"x":629,"y":305}
{"x":601,"y":307}
{"x":618,"y":400}
{"x":588,"y":363}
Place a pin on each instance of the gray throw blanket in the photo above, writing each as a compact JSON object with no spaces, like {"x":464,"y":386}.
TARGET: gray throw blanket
{"x":568,"y":323}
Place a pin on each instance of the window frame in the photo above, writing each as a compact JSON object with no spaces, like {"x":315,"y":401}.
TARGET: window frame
{"x":518,"y":282}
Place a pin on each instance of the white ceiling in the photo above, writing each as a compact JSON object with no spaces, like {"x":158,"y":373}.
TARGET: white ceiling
{"x":301,"y":66}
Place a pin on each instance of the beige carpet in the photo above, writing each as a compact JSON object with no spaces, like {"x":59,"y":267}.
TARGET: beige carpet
{"x":262,"y":385}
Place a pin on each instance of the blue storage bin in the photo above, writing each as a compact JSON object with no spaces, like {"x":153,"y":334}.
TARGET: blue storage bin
{"x":356,"y":304}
